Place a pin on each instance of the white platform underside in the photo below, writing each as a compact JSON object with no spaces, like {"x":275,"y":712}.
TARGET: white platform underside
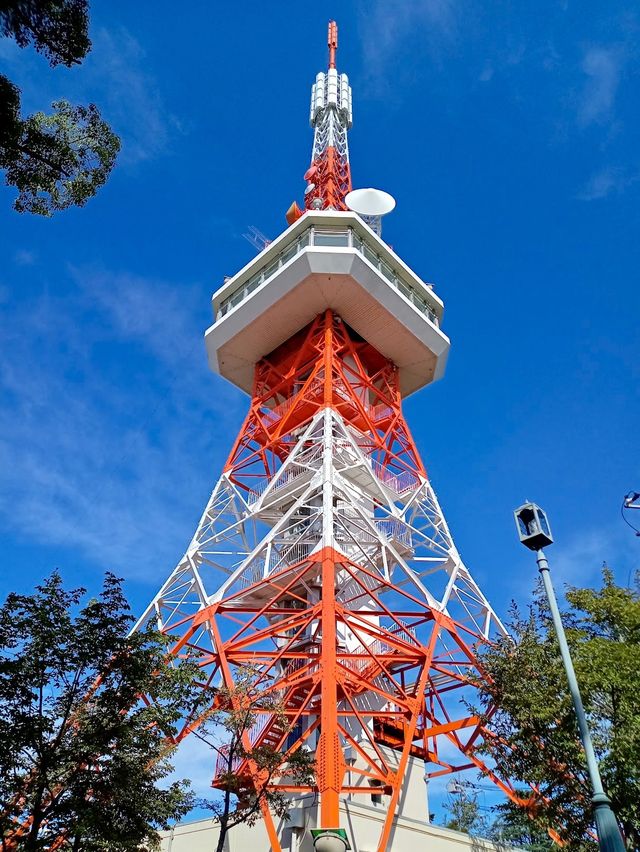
{"x":319,"y":277}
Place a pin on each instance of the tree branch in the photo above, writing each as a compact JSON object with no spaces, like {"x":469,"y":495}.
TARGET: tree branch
{"x":36,"y":155}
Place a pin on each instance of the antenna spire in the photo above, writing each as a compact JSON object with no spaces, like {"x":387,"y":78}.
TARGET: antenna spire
{"x":329,"y":175}
{"x":332,"y":43}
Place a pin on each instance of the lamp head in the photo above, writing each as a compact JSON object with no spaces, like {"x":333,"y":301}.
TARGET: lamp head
{"x":533,"y":527}
{"x":330,"y":840}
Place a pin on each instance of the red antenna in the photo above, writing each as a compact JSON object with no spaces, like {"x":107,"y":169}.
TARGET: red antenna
{"x":332,"y":43}
{"x":329,"y":175}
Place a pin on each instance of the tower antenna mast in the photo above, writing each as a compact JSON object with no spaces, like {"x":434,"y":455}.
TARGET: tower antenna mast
{"x":332,"y":43}
{"x":331,"y":115}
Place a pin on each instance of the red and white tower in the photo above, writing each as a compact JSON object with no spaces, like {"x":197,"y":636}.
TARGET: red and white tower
{"x":323,"y":556}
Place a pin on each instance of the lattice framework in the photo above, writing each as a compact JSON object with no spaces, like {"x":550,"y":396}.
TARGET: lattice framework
{"x":323,"y":558}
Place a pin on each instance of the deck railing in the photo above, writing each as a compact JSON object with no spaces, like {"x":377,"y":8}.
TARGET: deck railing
{"x":336,"y":238}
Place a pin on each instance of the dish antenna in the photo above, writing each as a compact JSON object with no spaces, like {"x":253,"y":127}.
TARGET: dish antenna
{"x":371,"y":205}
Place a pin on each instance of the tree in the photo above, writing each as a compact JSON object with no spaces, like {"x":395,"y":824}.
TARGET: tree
{"x":464,"y":812}
{"x":535,"y":737}
{"x":513,"y":827}
{"x":239,"y":708}
{"x":81,"y":757}
{"x":58,"y":160}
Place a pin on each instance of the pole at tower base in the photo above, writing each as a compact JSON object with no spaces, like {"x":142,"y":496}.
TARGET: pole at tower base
{"x":534,"y":531}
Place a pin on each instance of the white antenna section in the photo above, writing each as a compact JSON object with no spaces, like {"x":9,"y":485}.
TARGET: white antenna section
{"x":256,"y":238}
{"x":371,"y":205}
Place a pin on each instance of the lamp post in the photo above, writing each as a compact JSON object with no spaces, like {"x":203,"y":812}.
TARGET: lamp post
{"x":534,"y":532}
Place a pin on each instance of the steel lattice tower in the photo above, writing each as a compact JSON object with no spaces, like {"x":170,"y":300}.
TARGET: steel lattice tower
{"x":323,"y":556}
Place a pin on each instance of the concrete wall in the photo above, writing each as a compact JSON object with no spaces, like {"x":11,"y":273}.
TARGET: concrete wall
{"x":362,"y":822}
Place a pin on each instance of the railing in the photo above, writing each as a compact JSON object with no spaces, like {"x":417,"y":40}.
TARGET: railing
{"x":293,"y":554}
{"x":379,"y":647}
{"x":278,"y":558}
{"x":279,"y":482}
{"x":272,"y":415}
{"x":253,"y":576}
{"x":394,"y":529}
{"x":222,"y":760}
{"x":380,"y":412}
{"x":398,"y":482}
{"x":329,"y":237}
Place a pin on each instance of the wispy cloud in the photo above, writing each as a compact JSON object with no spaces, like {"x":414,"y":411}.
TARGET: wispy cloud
{"x":386,"y":25}
{"x":157,"y":314}
{"x":117,"y":76}
{"x":108,"y":423}
{"x":23,"y":257}
{"x":578,"y":561}
{"x":129,"y":94}
{"x":602,"y":67}
{"x":607,"y":181}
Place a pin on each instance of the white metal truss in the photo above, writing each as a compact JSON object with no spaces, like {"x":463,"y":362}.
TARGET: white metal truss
{"x":328,"y":492}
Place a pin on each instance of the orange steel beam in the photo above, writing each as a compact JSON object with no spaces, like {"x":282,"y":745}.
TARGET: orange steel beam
{"x":257,"y":781}
{"x":329,"y":762}
{"x":330,"y":680}
{"x":309,"y":372}
{"x":391,"y":812}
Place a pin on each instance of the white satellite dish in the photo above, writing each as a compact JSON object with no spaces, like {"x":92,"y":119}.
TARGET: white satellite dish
{"x":371,"y":205}
{"x":370,"y":202}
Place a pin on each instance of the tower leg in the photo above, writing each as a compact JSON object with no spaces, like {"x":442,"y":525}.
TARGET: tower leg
{"x":329,"y":762}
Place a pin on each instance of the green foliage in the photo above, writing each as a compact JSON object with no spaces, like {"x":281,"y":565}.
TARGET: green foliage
{"x":239,"y":708}
{"x":59,"y":160}
{"x":513,"y":827}
{"x":537,"y":740}
{"x":464,"y":813}
{"x":80,"y":755}
{"x":56,"y":28}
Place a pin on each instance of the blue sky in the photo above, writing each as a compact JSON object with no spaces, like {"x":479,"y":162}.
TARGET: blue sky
{"x":509,"y":134}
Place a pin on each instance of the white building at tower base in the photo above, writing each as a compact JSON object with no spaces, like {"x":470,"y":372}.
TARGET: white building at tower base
{"x":361,"y":818}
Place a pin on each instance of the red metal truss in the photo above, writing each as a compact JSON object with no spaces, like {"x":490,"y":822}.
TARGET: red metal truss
{"x":369,"y":666}
{"x":331,"y":175}
{"x":325,"y":364}
{"x":392,"y":687}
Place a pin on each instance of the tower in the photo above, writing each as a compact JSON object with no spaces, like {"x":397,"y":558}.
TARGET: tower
{"x":323,"y":557}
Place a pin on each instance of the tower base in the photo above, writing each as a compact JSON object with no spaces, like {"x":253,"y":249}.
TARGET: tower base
{"x":361,"y":817}
{"x":363,"y":823}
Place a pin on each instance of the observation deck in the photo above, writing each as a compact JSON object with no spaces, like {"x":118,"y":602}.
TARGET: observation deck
{"x":328,"y":259}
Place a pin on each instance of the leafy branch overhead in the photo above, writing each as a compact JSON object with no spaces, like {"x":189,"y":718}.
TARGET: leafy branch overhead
{"x":61,"y":159}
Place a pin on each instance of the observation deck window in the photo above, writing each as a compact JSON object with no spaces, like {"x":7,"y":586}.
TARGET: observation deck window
{"x":339,"y":239}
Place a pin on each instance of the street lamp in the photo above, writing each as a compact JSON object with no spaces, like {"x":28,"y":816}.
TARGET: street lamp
{"x":535,"y":533}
